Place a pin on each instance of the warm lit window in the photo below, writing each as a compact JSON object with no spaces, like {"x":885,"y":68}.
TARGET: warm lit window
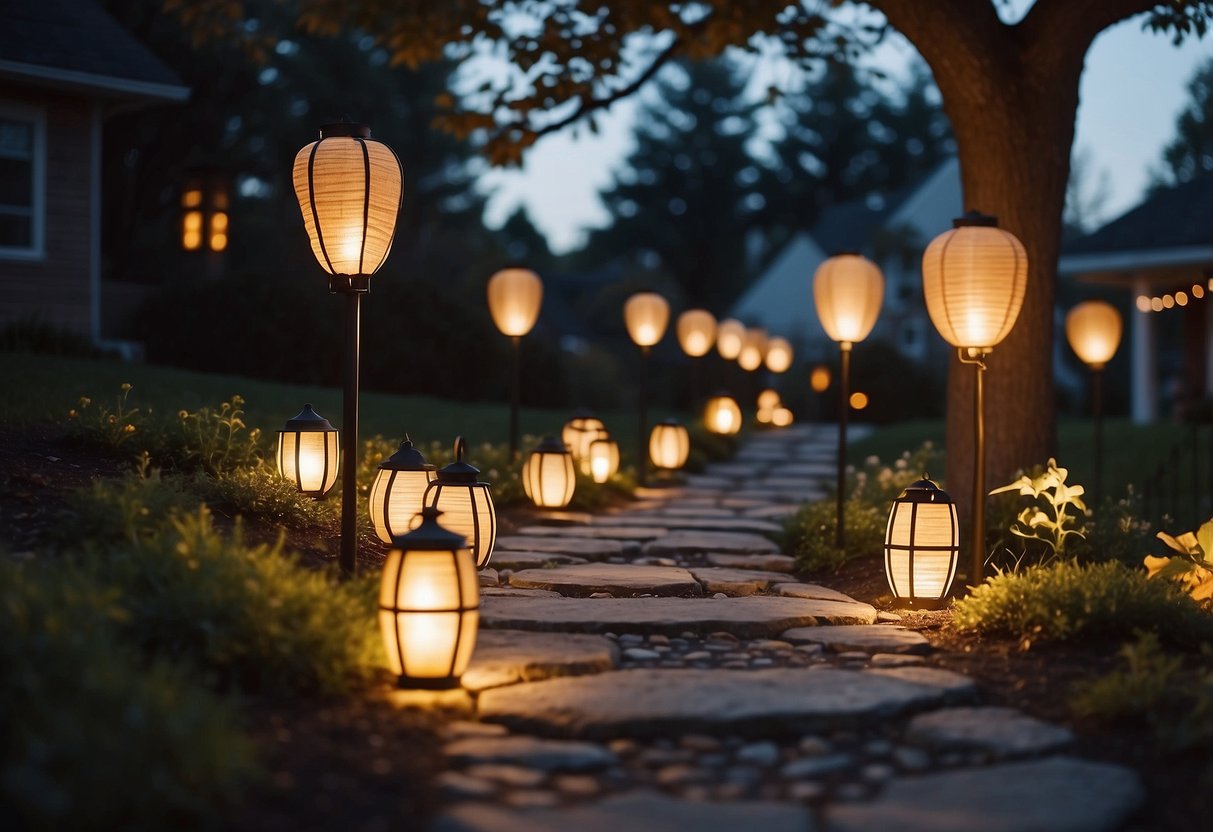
{"x":22,"y":163}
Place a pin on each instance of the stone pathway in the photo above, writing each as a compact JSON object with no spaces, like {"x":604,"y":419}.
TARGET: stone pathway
{"x":660,"y":668}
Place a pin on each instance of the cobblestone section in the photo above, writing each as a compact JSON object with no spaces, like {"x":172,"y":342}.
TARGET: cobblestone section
{"x":660,"y":668}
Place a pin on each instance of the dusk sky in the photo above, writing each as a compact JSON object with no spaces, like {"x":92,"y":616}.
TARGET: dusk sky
{"x":1133,"y":88}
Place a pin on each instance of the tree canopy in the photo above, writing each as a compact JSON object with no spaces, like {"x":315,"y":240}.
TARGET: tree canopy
{"x":1190,"y":152}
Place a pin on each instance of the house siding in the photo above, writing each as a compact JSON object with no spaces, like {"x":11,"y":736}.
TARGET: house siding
{"x":56,"y":288}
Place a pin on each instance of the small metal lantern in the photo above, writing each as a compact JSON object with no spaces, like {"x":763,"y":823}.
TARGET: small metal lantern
{"x":604,"y":458}
{"x":429,"y":606}
{"x":548,"y":477}
{"x":579,"y":432}
{"x":722,"y":415}
{"x":922,"y":544}
{"x":307,"y":453}
{"x":398,"y":494}
{"x":467,"y":504}
{"x":669,"y":445}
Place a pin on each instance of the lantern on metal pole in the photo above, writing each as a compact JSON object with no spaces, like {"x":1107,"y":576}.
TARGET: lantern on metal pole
{"x":646,"y":315}
{"x":1093,"y":329}
{"x":973,"y":278}
{"x":696,"y":330}
{"x":753,"y":349}
{"x":515,"y":296}
{"x":779,"y":355}
{"x":847,"y":291}
{"x":921,"y":545}
{"x":349,"y":188}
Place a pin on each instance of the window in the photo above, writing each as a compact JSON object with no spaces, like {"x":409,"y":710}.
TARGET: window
{"x":22,"y":165}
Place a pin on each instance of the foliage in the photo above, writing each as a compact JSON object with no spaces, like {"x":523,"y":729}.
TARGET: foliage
{"x":122,"y":509}
{"x":260,"y":492}
{"x":1152,"y":689}
{"x":1116,"y":532}
{"x":247,"y":615}
{"x":1192,"y":569}
{"x":38,"y":336}
{"x":95,"y":737}
{"x":1062,"y":509}
{"x":808,"y":535}
{"x":215,"y":440}
{"x":103,"y":426}
{"x":878,"y":485}
{"x":1189,"y":154}
{"x":1065,"y":601}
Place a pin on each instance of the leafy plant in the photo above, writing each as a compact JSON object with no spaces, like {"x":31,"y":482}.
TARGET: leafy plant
{"x":122,"y":509}
{"x":1116,"y":532}
{"x":215,"y":440}
{"x":1154,"y":690}
{"x":101,"y":425}
{"x":1066,"y":600}
{"x":1192,"y":568}
{"x":96,"y":737}
{"x":259,"y":492}
{"x":808,"y":535}
{"x":1056,"y":516}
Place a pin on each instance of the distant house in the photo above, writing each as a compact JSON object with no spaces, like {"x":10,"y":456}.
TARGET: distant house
{"x":65,"y":65}
{"x":1160,"y":253}
{"x":893,"y":232}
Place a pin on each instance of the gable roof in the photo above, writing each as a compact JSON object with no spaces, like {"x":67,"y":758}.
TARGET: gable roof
{"x":1170,"y":218}
{"x":76,"y":45}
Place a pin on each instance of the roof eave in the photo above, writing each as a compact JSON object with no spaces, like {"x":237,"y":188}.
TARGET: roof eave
{"x":71,"y":80}
{"x":1134,"y":260}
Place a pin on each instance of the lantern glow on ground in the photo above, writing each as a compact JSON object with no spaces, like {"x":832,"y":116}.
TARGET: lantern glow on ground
{"x":669,"y":445}
{"x":1093,"y":329}
{"x":548,"y":476}
{"x":515,"y":296}
{"x":308,"y":453}
{"x":922,"y":545}
{"x":398,"y":493}
{"x":466,"y":504}
{"x":847,"y":291}
{"x":349,"y":188}
{"x":974,"y":278}
{"x":429,"y":602}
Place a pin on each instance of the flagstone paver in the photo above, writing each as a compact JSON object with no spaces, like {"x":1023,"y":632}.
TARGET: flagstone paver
{"x":504,"y":657}
{"x":534,"y":752}
{"x":883,"y":638}
{"x":532,"y":560}
{"x":1061,"y":794}
{"x":624,"y":580}
{"x":697,"y":542}
{"x":766,"y":563}
{"x":646,"y":702}
{"x":798,"y":590}
{"x":736,"y":581}
{"x":1002,"y":732}
{"x":598,"y":531}
{"x":671,"y":522}
{"x":577,"y":547}
{"x":750,"y":617}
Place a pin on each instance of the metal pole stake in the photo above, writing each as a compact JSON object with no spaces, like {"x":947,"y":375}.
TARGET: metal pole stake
{"x":844,"y":404}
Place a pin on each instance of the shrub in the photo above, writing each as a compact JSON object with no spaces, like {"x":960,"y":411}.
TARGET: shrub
{"x":1115,"y":531}
{"x":249,"y":616}
{"x":261,"y":493}
{"x":878,"y":485}
{"x":1192,"y":567}
{"x":1153,"y":690}
{"x":94,"y":737}
{"x":1067,"y":600}
{"x":213,"y":440}
{"x":37,"y":336}
{"x":125,"y":508}
{"x":808,"y":535}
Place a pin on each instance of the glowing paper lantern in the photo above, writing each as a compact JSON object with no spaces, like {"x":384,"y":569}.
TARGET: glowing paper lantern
{"x":548,"y":477}
{"x":669,"y":445}
{"x":696,"y":332}
{"x":847,"y":291}
{"x":922,"y":544}
{"x":515,"y":296}
{"x":768,"y":399}
{"x":729,"y":334}
{"x":1093,"y":329}
{"x":429,"y":606}
{"x":579,"y":432}
{"x":722,"y":415}
{"x":467,"y":505}
{"x":753,"y":349}
{"x":646,"y":315}
{"x":308,"y":454}
{"x":398,"y":493}
{"x":603,"y":458}
{"x":781,"y":417}
{"x":779,"y":355}
{"x":349,"y":188}
{"x":974,"y":277}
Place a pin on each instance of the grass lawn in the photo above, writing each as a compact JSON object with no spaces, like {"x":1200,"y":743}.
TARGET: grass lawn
{"x":34,"y":388}
{"x":1131,"y":452}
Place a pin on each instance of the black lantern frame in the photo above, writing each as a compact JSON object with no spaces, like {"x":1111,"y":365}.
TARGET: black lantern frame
{"x":462,"y":479}
{"x":921,"y":493}
{"x":290,"y":459}
{"x":430,"y":537}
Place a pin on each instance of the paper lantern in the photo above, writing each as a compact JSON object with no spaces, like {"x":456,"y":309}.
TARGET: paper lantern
{"x":729,"y":334}
{"x":603,"y":458}
{"x":722,"y":415}
{"x":768,"y":399}
{"x":398,"y":493}
{"x":974,"y":277}
{"x":696,"y":332}
{"x":429,"y":606}
{"x":308,"y":453}
{"x":646,"y":315}
{"x":847,"y":291}
{"x":466,"y":504}
{"x":579,"y":432}
{"x":548,"y":477}
{"x":779,"y":355}
{"x":1093,"y":329}
{"x":753,"y":349}
{"x":515,"y":296}
{"x":669,"y":445}
{"x":922,"y":543}
{"x":349,"y":188}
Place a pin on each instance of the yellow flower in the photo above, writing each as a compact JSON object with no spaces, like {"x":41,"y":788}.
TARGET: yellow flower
{"x":125,"y":386}
{"x":113,"y":419}
{"x":183,"y":414}
{"x":72,"y":414}
{"x":129,"y":429}
{"x":85,"y":401}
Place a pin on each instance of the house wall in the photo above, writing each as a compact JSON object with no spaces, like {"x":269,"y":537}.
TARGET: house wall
{"x":57,"y":287}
